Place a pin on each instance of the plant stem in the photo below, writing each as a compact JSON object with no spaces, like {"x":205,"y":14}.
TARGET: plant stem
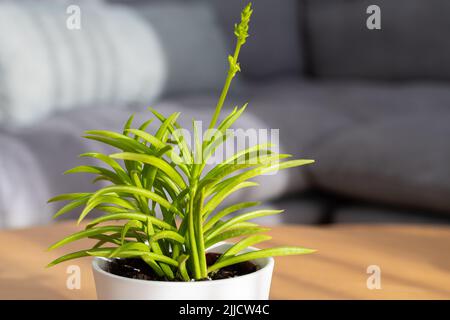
{"x":241,"y":32}
{"x":191,"y":232}
{"x":200,"y":239}
{"x":226,"y":87}
{"x":199,"y":254}
{"x":150,"y":231}
{"x":157,"y":249}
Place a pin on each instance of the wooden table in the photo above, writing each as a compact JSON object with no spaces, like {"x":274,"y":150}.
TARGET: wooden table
{"x":414,"y":263}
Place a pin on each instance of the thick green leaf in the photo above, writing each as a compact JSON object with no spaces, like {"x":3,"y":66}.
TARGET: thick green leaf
{"x":76,"y":255}
{"x":138,"y":246}
{"x":212,"y":147}
{"x":148,"y":137}
{"x":112,"y":238}
{"x":153,"y":161}
{"x":117,"y":140}
{"x":72,"y":205}
{"x":236,"y":180}
{"x":128,"y":124}
{"x":224,"y":193}
{"x":164,"y":129}
{"x":152,"y":263}
{"x":142,"y":201}
{"x":111,"y":142}
{"x":233,"y":233}
{"x":248,"y":153}
{"x":238,"y":225}
{"x":228,"y":210}
{"x":225,"y":124}
{"x":158,"y":187}
{"x":110,"y":209}
{"x":157,"y":249}
{"x":145,"y":124}
{"x":96,"y":200}
{"x":171,"y":187}
{"x":218,"y":139}
{"x":181,"y":143}
{"x":171,"y":235}
{"x":132,"y":216}
{"x":84,"y":234}
{"x":198,"y":149}
{"x":68,"y":196}
{"x":182,"y":267}
{"x":135,"y":224}
{"x":264,"y":253}
{"x":108,"y":174}
{"x":240,"y":218}
{"x":135,"y":254}
{"x":103,"y":178}
{"x":231,"y":118}
{"x":244,"y":244}
{"x":218,"y":173}
{"x":102,"y":252}
{"x":128,"y":190}
{"x":111,"y":162}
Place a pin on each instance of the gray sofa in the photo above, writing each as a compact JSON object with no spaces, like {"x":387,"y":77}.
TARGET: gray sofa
{"x":371,"y":107}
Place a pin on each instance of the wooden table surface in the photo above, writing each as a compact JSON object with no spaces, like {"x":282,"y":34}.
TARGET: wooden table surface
{"x":414,"y":263}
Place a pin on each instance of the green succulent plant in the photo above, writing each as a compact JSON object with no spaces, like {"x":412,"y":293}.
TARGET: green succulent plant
{"x":162,"y":171}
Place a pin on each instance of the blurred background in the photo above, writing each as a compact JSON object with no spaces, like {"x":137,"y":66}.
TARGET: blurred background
{"x":371,"y":106}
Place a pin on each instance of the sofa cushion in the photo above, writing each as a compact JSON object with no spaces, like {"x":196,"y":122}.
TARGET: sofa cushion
{"x":412,"y":42}
{"x":302,"y":111}
{"x":46,"y":66}
{"x":399,"y":161}
{"x":360,"y":101}
{"x":23,"y":188}
{"x":313,"y":116}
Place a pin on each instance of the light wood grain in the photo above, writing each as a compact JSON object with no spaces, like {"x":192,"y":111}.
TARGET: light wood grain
{"x":414,"y":261}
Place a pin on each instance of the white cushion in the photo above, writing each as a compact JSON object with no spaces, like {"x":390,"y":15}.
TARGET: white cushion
{"x":115,"y":59}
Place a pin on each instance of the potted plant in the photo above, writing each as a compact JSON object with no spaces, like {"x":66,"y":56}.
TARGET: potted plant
{"x":179,"y":252}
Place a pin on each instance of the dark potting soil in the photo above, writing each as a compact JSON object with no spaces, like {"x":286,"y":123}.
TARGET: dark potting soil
{"x":138,"y":269}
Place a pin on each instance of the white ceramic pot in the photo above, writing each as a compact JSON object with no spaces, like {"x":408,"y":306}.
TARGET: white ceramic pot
{"x":252,"y":286}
